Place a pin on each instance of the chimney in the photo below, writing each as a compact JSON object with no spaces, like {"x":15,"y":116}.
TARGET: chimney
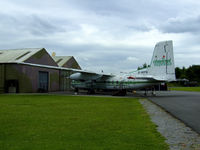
{"x":53,"y":54}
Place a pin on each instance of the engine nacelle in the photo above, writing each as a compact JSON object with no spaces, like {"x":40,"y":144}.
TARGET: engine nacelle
{"x":75,"y":76}
{"x":83,"y":77}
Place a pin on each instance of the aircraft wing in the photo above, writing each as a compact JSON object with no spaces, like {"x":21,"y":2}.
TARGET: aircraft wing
{"x":77,"y":74}
{"x":154,"y":78}
{"x":88,"y":75}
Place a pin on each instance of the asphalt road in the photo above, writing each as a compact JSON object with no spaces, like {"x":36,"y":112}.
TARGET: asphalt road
{"x":183,"y":105}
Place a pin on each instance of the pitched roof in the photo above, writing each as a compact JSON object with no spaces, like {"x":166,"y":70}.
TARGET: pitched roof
{"x":61,"y":60}
{"x":17,"y":55}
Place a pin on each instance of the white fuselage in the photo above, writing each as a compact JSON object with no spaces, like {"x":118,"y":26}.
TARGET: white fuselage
{"x":114,"y":83}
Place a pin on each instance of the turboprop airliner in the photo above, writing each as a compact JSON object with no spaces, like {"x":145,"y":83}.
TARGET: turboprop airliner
{"x":161,"y":70}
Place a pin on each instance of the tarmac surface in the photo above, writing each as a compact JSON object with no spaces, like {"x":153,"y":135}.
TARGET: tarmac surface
{"x":185,"y":106}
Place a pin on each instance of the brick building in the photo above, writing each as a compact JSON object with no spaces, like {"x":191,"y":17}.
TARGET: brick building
{"x":34,"y":70}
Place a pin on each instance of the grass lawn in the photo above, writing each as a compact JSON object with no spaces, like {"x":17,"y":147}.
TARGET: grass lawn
{"x":192,"y":89}
{"x":50,"y":122}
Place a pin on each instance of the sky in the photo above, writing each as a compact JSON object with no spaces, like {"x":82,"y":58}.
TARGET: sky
{"x":109,"y":35}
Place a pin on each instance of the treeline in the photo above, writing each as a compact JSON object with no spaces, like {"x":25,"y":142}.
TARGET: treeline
{"x":143,"y":66}
{"x":192,"y":73}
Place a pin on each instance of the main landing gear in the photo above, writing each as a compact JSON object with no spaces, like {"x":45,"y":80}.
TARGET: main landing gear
{"x":153,"y":92}
{"x":91,"y":91}
{"x":76,"y":91}
{"x":119,"y":93}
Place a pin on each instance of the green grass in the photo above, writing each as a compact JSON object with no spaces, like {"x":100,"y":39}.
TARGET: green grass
{"x":191,"y":89}
{"x":47,"y":122}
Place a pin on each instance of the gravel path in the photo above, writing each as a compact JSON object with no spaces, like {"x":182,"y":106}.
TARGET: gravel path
{"x":177,"y":134}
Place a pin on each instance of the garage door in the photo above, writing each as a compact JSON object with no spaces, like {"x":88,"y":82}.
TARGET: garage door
{"x":43,"y":81}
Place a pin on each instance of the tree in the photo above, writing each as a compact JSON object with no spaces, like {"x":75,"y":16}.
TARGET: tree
{"x":178,"y":72}
{"x":143,"y":66}
{"x":191,"y":73}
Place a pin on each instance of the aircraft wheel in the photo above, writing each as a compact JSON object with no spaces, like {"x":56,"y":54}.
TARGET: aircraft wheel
{"x":120,"y":93}
{"x":91,"y":91}
{"x":76,"y":91}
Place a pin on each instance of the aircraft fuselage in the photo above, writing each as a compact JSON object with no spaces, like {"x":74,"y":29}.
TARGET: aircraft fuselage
{"x":114,"y":84}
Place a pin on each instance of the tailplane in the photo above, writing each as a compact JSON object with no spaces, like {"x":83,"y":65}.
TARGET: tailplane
{"x":162,"y":62}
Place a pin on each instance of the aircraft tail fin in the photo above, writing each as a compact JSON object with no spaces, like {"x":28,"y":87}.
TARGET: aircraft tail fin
{"x":162,"y":62}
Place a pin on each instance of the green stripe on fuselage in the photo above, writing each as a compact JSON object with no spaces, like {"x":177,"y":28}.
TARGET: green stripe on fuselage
{"x":115,"y":83}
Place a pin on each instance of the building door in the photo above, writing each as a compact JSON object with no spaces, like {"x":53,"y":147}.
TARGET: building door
{"x":43,"y":81}
{"x":11,"y":86}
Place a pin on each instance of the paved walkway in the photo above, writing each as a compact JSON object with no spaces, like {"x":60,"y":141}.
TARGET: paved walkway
{"x":177,"y":135}
{"x":183,"y":105}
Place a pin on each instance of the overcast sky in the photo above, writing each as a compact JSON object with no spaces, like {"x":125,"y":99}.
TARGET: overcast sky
{"x":109,"y":35}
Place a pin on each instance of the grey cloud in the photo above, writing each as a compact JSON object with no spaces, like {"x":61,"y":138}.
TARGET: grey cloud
{"x":32,"y":24}
{"x":139,"y":27}
{"x":41,"y":26}
{"x":98,"y":6}
{"x":57,"y":26}
{"x":177,"y":25}
{"x":110,"y":59}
